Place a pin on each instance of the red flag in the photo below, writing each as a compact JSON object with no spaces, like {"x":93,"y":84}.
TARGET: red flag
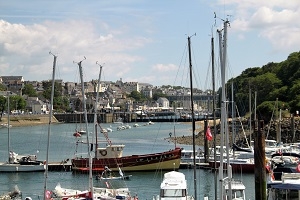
{"x":48,"y":194}
{"x":208,"y":134}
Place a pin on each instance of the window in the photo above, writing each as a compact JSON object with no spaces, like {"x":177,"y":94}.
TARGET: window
{"x":173,"y":193}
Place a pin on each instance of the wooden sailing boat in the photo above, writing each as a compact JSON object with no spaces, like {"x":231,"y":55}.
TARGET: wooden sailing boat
{"x":92,"y":192}
{"x":112,"y":157}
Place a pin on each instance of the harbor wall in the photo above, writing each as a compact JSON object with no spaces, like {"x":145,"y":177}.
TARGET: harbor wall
{"x":115,"y":117}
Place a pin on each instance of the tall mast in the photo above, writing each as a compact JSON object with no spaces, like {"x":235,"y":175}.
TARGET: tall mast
{"x":224,"y":126}
{"x":193,"y":120}
{"x":222,"y":120}
{"x":86,"y":128}
{"x":214,"y":112}
{"x":8,"y":125}
{"x":250,"y":112}
{"x":49,"y":126}
{"x":95,"y":107}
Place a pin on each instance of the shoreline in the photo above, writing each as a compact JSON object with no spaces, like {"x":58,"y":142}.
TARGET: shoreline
{"x":27,"y":120}
{"x":199,"y":135}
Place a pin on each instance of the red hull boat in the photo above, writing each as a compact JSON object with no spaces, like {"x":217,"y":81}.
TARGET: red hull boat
{"x":111,"y":157}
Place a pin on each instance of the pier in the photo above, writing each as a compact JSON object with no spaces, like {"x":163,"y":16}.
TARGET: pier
{"x":60,"y":166}
{"x":127,"y":117}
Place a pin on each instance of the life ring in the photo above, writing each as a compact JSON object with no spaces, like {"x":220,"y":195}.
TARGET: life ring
{"x":103,"y":152}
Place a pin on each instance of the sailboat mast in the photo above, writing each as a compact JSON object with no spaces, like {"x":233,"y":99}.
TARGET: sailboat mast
{"x":229,"y":170}
{"x":222,"y":119}
{"x":193,"y":120}
{"x":8,"y":125}
{"x":96,"y":106}
{"x":214,"y":112}
{"x":86,"y":128}
{"x":49,"y":126}
{"x":250,"y":113}
{"x":224,"y":126}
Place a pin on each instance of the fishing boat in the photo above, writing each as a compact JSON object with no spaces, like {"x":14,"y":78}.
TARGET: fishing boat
{"x":112,"y":157}
{"x":93,"y":192}
{"x":16,"y":162}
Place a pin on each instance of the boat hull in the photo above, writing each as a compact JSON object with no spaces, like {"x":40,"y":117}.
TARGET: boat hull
{"x":7,"y":167}
{"x":236,"y":167}
{"x":168,"y":160}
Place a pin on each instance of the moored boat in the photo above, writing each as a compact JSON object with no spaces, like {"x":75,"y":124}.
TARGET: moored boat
{"x":244,"y":162}
{"x":173,"y":187}
{"x":287,"y":188}
{"x":18,"y":163}
{"x":112,"y":157}
{"x":14,"y":194}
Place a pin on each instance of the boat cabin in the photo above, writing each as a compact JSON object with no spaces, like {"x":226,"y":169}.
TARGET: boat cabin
{"x":288,"y":188}
{"x":173,"y":187}
{"x":110,"y":151}
{"x":237,"y":190}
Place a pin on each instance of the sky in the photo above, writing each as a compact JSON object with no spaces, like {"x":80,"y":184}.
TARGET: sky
{"x":141,"y":40}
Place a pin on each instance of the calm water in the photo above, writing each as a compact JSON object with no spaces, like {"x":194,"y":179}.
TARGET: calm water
{"x":139,"y":140}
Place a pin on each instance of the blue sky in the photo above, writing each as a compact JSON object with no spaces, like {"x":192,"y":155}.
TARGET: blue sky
{"x":142,"y":40}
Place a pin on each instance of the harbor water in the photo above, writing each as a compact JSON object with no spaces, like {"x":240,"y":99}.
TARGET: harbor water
{"x":137,"y":140}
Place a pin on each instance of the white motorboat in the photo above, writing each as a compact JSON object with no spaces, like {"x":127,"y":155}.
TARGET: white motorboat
{"x":187,"y":156}
{"x":173,"y":187}
{"x":287,"y":188}
{"x":237,"y":189}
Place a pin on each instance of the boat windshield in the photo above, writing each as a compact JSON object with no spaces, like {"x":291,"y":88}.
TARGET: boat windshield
{"x":237,"y":194}
{"x":172,"y":192}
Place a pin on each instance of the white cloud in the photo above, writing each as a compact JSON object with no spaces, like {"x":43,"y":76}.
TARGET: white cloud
{"x":24,"y":49}
{"x":275,"y":21}
{"x":164,"y":67}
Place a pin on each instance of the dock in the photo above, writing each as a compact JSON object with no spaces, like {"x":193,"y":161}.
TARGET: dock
{"x":190,"y":165}
{"x":60,"y":166}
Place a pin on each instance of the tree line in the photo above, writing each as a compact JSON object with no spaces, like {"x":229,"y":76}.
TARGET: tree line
{"x":275,"y":84}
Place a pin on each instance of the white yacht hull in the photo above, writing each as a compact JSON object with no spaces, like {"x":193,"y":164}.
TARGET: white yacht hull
{"x":7,"y":167}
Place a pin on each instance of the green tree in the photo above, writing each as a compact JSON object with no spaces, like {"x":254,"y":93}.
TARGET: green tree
{"x":61,"y":103}
{"x":3,"y":104}
{"x":17,"y":103}
{"x":48,"y":88}
{"x":29,"y":90}
{"x":137,"y":96}
{"x":2,"y":87}
{"x":158,"y":95}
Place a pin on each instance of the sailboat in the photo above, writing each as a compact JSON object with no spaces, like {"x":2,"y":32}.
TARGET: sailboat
{"x":92,"y":192}
{"x":111,"y":156}
{"x":19,"y":163}
{"x":229,"y":188}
